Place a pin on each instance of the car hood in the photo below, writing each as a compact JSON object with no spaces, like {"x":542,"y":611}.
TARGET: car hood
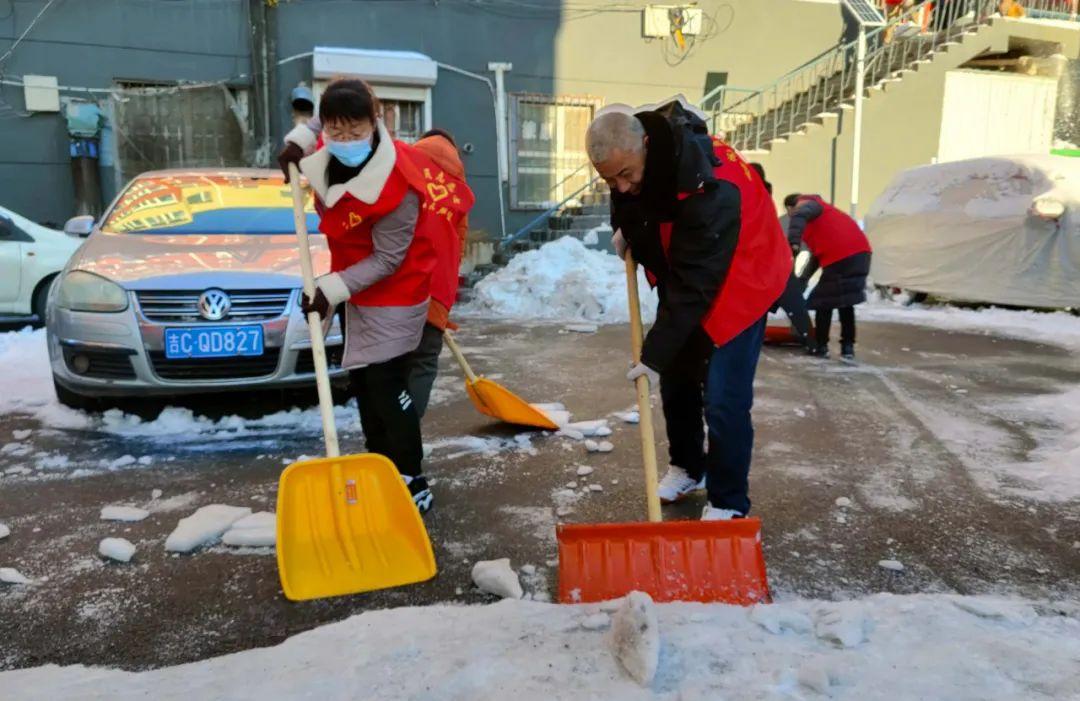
{"x":193,"y":261}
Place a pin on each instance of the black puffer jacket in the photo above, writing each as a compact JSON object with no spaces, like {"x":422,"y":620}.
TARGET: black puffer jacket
{"x":705,"y":228}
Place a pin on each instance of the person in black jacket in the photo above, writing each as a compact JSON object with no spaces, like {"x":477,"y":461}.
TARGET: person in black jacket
{"x":682,"y":223}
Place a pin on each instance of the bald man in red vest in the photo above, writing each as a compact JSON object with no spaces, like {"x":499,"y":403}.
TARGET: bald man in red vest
{"x":698,"y":218}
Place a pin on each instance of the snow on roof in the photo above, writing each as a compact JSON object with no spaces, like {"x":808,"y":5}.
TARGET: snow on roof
{"x":375,"y":65}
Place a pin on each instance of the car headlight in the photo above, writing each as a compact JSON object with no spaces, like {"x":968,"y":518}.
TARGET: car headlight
{"x":81,"y":291}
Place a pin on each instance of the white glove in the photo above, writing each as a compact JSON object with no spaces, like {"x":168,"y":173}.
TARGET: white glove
{"x":641,"y":369}
{"x":619,"y":243}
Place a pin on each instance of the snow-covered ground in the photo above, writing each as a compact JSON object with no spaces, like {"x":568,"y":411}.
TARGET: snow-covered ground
{"x":881,"y":647}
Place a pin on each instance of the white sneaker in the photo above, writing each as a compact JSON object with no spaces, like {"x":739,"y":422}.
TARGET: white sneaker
{"x":676,"y":485}
{"x":711,"y":513}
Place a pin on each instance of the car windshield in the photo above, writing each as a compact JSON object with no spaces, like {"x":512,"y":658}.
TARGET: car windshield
{"x":193,"y":203}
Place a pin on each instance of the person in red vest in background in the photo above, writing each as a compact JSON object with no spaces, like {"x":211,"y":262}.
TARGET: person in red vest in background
{"x":691,"y":211}
{"x":838,"y":246}
{"x":375,"y":201}
{"x":450,"y":235}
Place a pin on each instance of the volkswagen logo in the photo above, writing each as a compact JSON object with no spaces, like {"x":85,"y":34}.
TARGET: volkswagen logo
{"x":214,"y":305}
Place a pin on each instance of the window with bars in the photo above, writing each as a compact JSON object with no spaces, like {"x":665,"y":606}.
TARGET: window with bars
{"x":547,"y":150}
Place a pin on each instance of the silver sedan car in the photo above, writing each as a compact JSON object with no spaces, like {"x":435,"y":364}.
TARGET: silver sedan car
{"x":189,"y":283}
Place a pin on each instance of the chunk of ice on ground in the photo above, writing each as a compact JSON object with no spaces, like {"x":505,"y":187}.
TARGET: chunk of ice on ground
{"x":893,"y":565}
{"x":123,"y":513}
{"x":629,"y":417}
{"x":597,"y":621}
{"x":776,"y":619}
{"x":10,"y":575}
{"x":156,"y":494}
{"x":842,"y":628}
{"x":119,"y":549}
{"x":635,"y":637}
{"x":122,"y":461}
{"x":843,"y":502}
{"x":590,"y":428}
{"x":259,"y":530}
{"x":584,"y":470}
{"x":528,"y":570}
{"x":204,"y":526}
{"x":596,"y":487}
{"x":604,"y":447}
{"x":582,"y":328}
{"x":498,"y":578}
{"x":4,"y":531}
{"x":571,"y":433}
{"x":146,"y":460}
{"x":21,"y":434}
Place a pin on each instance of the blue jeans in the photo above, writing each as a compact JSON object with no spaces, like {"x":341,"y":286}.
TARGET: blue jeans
{"x":717,"y":382}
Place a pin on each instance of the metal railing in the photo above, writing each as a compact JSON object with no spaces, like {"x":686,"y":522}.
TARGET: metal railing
{"x":550,"y":211}
{"x":754,"y":118}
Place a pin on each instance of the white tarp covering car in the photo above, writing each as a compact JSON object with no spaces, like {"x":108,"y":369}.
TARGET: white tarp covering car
{"x":1002,"y":230}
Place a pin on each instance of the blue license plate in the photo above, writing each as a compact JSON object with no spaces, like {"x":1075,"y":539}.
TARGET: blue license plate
{"x":214,"y":342}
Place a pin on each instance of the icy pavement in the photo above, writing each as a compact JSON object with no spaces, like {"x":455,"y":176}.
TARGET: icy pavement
{"x":918,"y":454}
{"x":881,"y":647}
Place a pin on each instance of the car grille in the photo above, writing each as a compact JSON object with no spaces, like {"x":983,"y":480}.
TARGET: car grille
{"x":183,"y":305}
{"x":105,"y":364}
{"x":237,"y":367}
{"x":305,"y":359}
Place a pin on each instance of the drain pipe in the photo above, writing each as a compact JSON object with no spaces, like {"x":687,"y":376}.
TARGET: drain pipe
{"x":499,"y":135}
{"x":856,"y":148}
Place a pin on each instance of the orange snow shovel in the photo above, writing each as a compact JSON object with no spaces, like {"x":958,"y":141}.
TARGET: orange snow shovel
{"x":494,"y":400}
{"x":675,"y":561}
{"x":345,"y":523}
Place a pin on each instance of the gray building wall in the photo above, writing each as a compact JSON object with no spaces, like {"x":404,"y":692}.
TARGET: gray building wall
{"x":555,"y":48}
{"x":92,"y":44}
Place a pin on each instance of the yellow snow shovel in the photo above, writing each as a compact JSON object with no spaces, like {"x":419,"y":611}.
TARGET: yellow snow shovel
{"x":494,"y":400}
{"x":345,"y":523}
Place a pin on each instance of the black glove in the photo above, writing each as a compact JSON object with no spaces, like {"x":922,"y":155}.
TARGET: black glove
{"x":321,"y":304}
{"x":291,"y":154}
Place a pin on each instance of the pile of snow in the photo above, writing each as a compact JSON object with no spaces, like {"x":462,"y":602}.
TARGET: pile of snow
{"x":26,"y":381}
{"x":880,"y":647}
{"x":259,"y":530}
{"x":561,"y":281}
{"x":129,"y":514}
{"x":4,"y":531}
{"x":119,"y":549}
{"x":203,"y":527}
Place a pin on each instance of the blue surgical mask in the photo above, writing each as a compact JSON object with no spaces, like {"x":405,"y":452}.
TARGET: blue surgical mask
{"x":350,"y":153}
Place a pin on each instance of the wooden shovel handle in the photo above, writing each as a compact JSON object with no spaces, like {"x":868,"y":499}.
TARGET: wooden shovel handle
{"x":648,"y":440}
{"x":318,"y":345}
{"x":460,"y":357}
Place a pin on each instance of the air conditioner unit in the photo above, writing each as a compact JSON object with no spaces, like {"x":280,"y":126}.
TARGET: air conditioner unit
{"x":661,"y":20}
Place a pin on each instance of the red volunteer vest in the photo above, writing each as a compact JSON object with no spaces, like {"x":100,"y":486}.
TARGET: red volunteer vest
{"x":349,"y":222}
{"x":448,"y":200}
{"x":834,"y":235}
{"x":762,"y":262}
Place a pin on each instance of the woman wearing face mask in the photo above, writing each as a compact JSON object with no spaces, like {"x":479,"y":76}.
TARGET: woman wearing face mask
{"x":370,"y":198}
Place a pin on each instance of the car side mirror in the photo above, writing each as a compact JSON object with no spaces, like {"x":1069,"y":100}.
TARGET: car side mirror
{"x":80,"y":226}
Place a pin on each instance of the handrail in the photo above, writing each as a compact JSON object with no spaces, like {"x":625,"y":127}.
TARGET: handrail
{"x":547,"y":213}
{"x":827,"y":81}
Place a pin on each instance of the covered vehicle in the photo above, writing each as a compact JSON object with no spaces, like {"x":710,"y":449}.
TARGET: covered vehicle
{"x":189,"y":284}
{"x":1001,"y":230}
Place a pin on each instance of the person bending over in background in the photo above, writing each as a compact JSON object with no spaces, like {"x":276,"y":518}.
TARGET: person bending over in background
{"x":842,"y":250}
{"x":697,"y":217}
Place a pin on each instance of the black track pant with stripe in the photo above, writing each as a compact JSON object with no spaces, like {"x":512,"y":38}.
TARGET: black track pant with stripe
{"x":388,"y":413}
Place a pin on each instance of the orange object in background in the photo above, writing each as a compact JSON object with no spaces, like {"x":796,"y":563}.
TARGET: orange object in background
{"x":708,"y":561}
{"x":494,"y":400}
